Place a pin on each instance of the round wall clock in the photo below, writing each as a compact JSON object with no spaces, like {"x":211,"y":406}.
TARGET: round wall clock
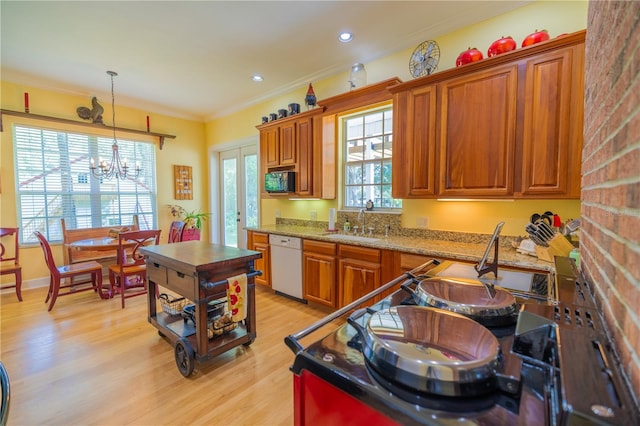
{"x":424,"y":59}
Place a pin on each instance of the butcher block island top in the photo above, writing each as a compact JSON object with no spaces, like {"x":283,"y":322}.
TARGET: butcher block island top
{"x":198,"y":256}
{"x":200,"y":272}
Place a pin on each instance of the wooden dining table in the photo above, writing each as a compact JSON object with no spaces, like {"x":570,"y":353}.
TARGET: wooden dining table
{"x":101,"y":244}
{"x":98,"y":244}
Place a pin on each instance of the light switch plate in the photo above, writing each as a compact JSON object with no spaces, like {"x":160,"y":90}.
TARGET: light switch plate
{"x":422,"y":222}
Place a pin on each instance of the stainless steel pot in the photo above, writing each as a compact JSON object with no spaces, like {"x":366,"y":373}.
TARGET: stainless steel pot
{"x":490,"y":305}
{"x":430,"y":350}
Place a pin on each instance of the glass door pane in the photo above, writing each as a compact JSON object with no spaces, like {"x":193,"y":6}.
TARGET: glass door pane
{"x":239,"y":194}
{"x":230,"y":209}
{"x":251,"y":189}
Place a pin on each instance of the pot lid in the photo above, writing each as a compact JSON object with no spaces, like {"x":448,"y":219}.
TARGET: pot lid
{"x":432,"y":350}
{"x":486,"y":303}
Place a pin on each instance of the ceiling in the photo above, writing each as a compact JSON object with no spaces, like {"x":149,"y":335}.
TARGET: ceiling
{"x":195,"y":59}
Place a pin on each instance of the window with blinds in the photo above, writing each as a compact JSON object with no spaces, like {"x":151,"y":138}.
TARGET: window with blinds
{"x":368,"y":147}
{"x":54,"y":182}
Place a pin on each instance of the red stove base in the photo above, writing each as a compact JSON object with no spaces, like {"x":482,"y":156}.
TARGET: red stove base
{"x":316,"y":402}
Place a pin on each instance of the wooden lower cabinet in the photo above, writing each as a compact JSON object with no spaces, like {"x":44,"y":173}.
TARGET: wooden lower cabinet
{"x":335,"y":275}
{"x":358,"y":278}
{"x":408,"y":261}
{"x":319,"y":272}
{"x":359,"y":272}
{"x":260,"y":242}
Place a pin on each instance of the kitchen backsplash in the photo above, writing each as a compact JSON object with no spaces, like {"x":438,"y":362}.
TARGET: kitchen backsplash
{"x":378,"y":221}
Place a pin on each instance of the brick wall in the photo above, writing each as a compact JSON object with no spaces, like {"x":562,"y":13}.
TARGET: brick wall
{"x":610,"y":236}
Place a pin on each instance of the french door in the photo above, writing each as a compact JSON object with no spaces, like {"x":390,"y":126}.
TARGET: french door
{"x":239,"y":200}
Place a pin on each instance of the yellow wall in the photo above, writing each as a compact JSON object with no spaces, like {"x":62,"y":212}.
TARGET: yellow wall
{"x":556,"y":17}
{"x":186,"y":149}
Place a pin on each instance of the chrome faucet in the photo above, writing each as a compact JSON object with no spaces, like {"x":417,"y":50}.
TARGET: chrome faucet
{"x":362,"y":221}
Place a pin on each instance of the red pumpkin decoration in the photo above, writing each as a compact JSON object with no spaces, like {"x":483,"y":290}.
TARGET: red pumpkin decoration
{"x":535,"y":37}
{"x":502,"y":45}
{"x":470,"y":55}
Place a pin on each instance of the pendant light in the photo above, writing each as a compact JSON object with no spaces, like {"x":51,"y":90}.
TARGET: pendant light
{"x":358,"y":76}
{"x":117,"y":169}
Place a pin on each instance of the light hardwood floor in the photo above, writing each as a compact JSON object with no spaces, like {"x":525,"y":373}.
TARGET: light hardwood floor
{"x":90,"y":362}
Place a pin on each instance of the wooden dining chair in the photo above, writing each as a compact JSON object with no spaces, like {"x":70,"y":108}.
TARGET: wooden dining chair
{"x":129,"y":276}
{"x":59,"y":274}
{"x":175,"y":231}
{"x":10,"y":258}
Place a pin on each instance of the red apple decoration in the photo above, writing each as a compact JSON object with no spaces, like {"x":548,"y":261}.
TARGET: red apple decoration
{"x":470,"y":55}
{"x":502,"y":45}
{"x":535,"y":37}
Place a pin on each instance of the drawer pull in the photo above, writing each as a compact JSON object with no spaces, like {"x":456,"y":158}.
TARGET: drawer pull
{"x":180,"y":274}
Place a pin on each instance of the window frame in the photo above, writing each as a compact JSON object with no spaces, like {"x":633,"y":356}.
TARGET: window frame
{"x":383,"y":161}
{"x":83,"y":200}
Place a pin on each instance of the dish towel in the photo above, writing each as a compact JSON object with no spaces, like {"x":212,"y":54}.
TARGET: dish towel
{"x":236,"y":295}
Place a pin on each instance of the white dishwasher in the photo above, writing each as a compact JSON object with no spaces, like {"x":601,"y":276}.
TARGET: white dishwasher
{"x":286,"y":266}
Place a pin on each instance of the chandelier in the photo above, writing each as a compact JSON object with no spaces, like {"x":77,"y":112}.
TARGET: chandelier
{"x":116,"y":169}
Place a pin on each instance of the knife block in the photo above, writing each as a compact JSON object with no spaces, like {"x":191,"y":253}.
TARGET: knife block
{"x":558,"y":246}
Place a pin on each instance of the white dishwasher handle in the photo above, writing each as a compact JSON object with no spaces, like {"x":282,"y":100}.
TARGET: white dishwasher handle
{"x":284,"y":241}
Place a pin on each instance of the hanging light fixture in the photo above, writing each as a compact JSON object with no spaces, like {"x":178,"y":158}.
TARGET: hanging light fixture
{"x":358,"y":76}
{"x":117,"y":169}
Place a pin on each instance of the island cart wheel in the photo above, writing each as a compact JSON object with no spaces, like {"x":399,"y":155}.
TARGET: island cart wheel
{"x":185,"y":358}
{"x":249,"y":342}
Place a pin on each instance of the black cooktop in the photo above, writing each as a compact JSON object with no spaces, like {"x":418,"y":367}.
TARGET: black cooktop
{"x":338,"y":359}
{"x":568,"y":371}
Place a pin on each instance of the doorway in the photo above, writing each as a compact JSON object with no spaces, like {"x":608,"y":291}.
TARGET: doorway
{"x":238,"y":202}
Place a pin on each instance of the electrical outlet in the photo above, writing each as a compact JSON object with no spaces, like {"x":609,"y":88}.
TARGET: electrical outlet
{"x":422,"y":222}
{"x":313,"y":215}
{"x":277,"y":213}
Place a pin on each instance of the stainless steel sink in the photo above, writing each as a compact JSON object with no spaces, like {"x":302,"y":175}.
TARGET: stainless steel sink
{"x":354,"y":238}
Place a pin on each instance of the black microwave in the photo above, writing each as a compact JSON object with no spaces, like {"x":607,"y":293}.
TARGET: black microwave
{"x":280,"y":182}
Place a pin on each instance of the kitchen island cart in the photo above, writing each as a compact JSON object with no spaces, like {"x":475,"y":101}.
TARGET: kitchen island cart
{"x":198,"y":271}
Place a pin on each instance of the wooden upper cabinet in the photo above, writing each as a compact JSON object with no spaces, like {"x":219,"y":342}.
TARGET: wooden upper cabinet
{"x":414,"y":148}
{"x":306,"y":143}
{"x":288,"y":144}
{"x":552,"y":125}
{"x":509,"y":126}
{"x":270,"y":146}
{"x":307,"y":157}
{"x":279,"y":145}
{"x":294,"y":143}
{"x":477,"y":133}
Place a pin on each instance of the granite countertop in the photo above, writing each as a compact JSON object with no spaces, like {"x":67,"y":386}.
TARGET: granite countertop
{"x":438,"y":248}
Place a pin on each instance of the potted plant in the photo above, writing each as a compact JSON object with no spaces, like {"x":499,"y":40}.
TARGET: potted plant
{"x":192,"y":219}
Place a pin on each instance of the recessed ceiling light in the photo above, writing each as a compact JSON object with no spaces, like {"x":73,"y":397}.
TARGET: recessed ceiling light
{"x":257,"y":77}
{"x":345,"y":37}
